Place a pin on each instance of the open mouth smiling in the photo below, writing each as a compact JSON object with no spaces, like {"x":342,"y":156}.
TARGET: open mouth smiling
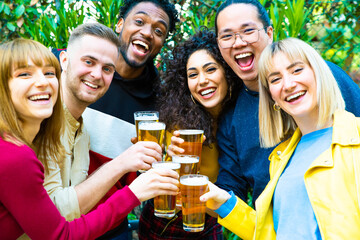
{"x":207,"y":92}
{"x":40,"y":97}
{"x":245,"y":60}
{"x":90,"y":85}
{"x":295,"y":96}
{"x":141,"y":46}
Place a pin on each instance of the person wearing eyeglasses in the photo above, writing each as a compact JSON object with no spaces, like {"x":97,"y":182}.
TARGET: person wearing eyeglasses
{"x":243,"y":31}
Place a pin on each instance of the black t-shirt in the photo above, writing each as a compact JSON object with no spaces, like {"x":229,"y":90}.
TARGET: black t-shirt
{"x":126,"y":96}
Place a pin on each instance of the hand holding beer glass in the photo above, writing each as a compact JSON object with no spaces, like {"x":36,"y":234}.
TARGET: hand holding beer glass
{"x":164,"y":205}
{"x":187,"y":142}
{"x":151,"y":131}
{"x":193,"y":210}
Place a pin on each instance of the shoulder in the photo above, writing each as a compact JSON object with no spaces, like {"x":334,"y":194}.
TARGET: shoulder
{"x":17,"y":158}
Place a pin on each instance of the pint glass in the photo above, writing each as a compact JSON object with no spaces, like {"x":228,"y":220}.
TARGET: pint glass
{"x":192,"y":187}
{"x":145,"y":116}
{"x":192,"y":142}
{"x":151,"y":131}
{"x":188,"y":165}
{"x":164,"y":205}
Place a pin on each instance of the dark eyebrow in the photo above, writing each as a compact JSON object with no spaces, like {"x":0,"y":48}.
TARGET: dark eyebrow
{"x":288,"y":67}
{"x":204,"y":66}
{"x":159,"y":21}
{"x":95,"y":59}
{"x":241,"y":26}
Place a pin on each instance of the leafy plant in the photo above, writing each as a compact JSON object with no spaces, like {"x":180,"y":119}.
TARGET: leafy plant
{"x":106,"y":12}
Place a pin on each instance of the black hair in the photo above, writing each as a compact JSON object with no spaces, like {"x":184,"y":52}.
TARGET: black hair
{"x":165,"y":5}
{"x":177,"y":109}
{"x":262,"y":13}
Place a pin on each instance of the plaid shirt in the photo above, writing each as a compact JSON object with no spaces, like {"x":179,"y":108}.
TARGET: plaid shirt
{"x":151,"y":227}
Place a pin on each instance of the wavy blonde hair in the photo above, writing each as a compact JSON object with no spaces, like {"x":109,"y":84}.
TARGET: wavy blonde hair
{"x":276,"y":126}
{"x":16,"y":54}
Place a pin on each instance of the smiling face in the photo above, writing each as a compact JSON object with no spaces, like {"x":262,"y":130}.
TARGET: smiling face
{"x":89,"y":66}
{"x":292,"y":86}
{"x":34,"y":91}
{"x":142,"y":33}
{"x":206,"y":81}
{"x":243,"y":57}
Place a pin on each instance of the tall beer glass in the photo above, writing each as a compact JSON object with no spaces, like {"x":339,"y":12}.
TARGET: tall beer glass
{"x":164,"y":205}
{"x":192,"y":187}
{"x":192,"y":142}
{"x":145,"y":116}
{"x":188,"y":165}
{"x":151,"y":131}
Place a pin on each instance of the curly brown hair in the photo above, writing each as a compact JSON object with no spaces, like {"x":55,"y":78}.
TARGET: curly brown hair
{"x":177,"y":110}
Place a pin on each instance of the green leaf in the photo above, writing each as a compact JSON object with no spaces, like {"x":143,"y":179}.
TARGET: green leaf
{"x":7,"y":9}
{"x":2,"y":5}
{"x":19,"y":10}
{"x":11,"y":26}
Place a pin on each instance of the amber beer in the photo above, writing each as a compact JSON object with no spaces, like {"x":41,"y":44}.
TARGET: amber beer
{"x":145,"y":116}
{"x":192,"y":187}
{"x":152,"y":131}
{"x":164,"y":205}
{"x":192,"y":144}
{"x":188,"y":165}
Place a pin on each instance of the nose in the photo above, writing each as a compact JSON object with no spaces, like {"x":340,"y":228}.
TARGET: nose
{"x":41,"y":80}
{"x":238,"y":41}
{"x":146,"y":31}
{"x":203,"y":79}
{"x":96,"y":72}
{"x":289,"y":84}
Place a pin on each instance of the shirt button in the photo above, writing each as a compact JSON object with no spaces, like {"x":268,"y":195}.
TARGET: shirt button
{"x":353,"y":140}
{"x":278,"y":153}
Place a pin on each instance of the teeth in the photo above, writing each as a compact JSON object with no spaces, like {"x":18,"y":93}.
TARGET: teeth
{"x":207,"y":91}
{"x":40,"y":97}
{"x":295,"y":96}
{"x":142,"y":44}
{"x":242,"y":55}
{"x":90,"y":85}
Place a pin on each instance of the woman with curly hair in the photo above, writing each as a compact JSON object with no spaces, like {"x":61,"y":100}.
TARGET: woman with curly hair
{"x":196,"y":88}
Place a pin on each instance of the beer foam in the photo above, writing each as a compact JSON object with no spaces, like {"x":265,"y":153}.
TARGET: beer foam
{"x":147,"y":118}
{"x":194,"y":181}
{"x":152,"y":126}
{"x":185,"y":159}
{"x":166,"y":165}
{"x":190,"y":131}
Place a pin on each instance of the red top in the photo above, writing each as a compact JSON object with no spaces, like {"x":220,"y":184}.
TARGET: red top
{"x":26,"y":207}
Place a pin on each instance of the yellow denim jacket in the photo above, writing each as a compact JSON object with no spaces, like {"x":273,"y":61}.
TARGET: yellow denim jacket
{"x":332,"y":183}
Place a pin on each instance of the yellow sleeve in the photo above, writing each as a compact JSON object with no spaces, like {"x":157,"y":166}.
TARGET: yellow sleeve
{"x":241,"y":220}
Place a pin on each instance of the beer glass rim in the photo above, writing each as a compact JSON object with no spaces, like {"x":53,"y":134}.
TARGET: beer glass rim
{"x":157,"y":165}
{"x":163,"y":125}
{"x":185,"y":156}
{"x":138,"y":112}
{"x":194,"y":176}
{"x":190,"y":131}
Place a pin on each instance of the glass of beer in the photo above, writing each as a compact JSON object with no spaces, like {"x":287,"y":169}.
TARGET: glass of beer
{"x":151,"y":131}
{"x":164,"y":205}
{"x":192,"y":144}
{"x":192,"y":186}
{"x":145,"y":116}
{"x":188,"y":165}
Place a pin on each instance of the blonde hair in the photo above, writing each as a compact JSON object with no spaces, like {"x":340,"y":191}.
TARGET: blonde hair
{"x":276,"y":126}
{"x":15,"y":54}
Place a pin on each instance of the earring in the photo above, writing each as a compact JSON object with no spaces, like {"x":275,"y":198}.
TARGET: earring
{"x":276,"y":107}
{"x":192,"y":98}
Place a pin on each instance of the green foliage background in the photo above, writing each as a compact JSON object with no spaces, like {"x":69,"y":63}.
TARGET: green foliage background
{"x":331,"y":26}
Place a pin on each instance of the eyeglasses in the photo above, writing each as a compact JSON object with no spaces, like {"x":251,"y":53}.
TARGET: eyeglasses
{"x":248,"y":35}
